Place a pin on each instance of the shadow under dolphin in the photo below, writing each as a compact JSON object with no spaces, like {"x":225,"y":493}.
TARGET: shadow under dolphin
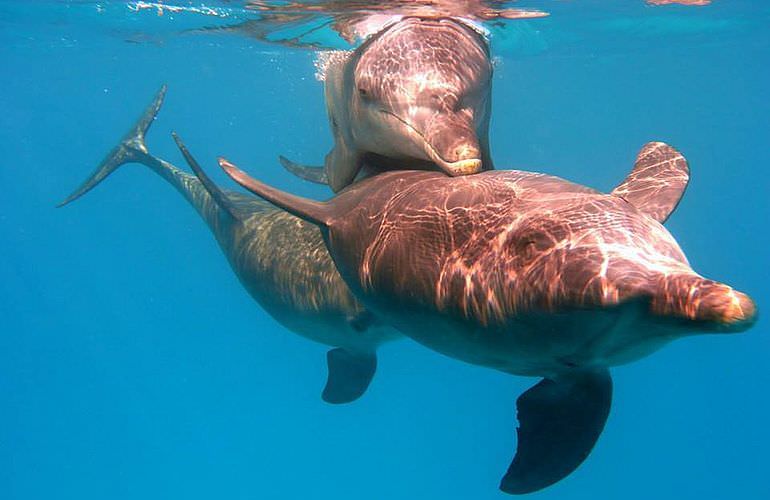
{"x":279,"y":259}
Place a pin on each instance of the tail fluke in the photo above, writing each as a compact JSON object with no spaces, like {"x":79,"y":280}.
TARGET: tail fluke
{"x":130,"y":149}
{"x":312,"y":174}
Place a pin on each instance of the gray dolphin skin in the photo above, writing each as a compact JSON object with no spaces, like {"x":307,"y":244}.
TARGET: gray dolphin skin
{"x":415,"y":95}
{"x":528,"y":274}
{"x":280,"y":259}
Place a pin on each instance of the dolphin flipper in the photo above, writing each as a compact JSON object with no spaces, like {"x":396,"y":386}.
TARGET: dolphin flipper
{"x":349,"y":375}
{"x":308,"y":173}
{"x":657,"y":182}
{"x":342,"y":165}
{"x":559,"y":423}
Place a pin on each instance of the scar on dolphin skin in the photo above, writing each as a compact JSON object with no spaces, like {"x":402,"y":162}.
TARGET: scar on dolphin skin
{"x":280,"y":260}
{"x":528,"y":274}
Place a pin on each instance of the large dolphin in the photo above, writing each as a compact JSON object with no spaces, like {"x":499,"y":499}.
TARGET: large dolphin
{"x":528,"y":274}
{"x":416,"y":94}
{"x":280,"y":260}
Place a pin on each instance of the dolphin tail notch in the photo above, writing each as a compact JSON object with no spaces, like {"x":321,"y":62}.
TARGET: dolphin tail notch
{"x":130,"y":149}
{"x":305,"y":172}
{"x":559,"y":424}
{"x":314,"y":212}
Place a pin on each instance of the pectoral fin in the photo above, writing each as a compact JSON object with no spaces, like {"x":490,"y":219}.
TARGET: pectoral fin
{"x":657,"y":182}
{"x":306,"y":172}
{"x":349,"y":375}
{"x":559,"y":423}
{"x":342,"y":165}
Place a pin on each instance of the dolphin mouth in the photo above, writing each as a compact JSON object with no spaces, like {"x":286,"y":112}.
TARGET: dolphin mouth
{"x":456,"y":168}
{"x":461,"y":167}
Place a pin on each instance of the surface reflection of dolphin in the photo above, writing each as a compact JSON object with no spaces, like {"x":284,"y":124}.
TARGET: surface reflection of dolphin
{"x":319,"y":24}
{"x":280,"y":260}
{"x":531,"y":275}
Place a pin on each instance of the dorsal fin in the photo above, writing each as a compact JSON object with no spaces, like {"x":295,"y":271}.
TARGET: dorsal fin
{"x":312,"y":211}
{"x":657,"y":182}
{"x":216,"y":194}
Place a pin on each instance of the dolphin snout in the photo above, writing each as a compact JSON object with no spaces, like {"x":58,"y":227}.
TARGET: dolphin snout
{"x":447,"y":139}
{"x":714,"y":305}
{"x":452,"y":144}
{"x":729,"y":308}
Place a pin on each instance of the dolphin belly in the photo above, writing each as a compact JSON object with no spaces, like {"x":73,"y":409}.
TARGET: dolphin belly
{"x":543,"y":345}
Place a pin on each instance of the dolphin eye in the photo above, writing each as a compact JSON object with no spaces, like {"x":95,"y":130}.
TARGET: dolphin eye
{"x":531,"y":244}
{"x":362,"y":91}
{"x":527,"y":249}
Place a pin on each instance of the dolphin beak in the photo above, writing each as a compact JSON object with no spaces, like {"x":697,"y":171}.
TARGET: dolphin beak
{"x":449,"y":140}
{"x":715,"y":306}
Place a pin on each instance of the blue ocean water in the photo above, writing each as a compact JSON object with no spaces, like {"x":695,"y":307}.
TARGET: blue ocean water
{"x":134,"y":365}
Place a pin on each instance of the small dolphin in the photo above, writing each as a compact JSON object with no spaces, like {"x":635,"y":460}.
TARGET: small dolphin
{"x":280,"y":260}
{"x":528,"y":274}
{"x":418,"y":92}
